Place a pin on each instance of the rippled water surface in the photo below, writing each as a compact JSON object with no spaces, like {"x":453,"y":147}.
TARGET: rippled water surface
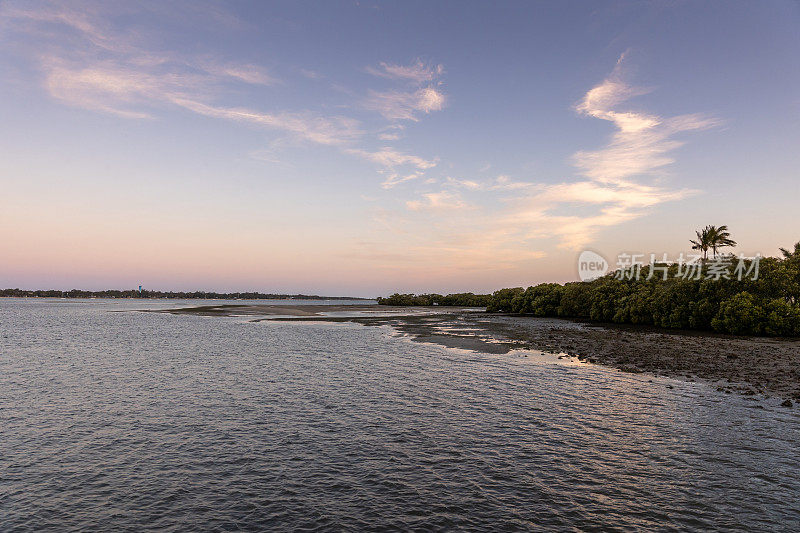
{"x":130,"y":420}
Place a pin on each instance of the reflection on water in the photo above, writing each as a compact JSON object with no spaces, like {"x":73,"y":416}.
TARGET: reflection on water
{"x":131,"y":420}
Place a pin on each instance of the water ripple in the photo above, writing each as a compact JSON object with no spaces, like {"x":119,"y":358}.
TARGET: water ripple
{"x":131,"y":421}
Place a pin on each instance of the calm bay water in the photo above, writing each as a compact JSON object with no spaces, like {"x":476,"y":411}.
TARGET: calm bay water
{"x":129,"y":421}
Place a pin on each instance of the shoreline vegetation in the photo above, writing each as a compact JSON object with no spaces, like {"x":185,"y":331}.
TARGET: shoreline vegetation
{"x":180,"y":295}
{"x":658,"y":296}
{"x":464,"y":299}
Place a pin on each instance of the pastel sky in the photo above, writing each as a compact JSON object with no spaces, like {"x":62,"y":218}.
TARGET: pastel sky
{"x":364,"y":148}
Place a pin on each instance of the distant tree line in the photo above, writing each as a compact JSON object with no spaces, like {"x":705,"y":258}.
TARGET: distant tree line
{"x":464,"y":299}
{"x":133,"y":293}
{"x":768,"y":305}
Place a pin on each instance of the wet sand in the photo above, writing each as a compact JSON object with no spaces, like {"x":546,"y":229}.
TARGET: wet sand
{"x":747,"y":365}
{"x":267,"y":310}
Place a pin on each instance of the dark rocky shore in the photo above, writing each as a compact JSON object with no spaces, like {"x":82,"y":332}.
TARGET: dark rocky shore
{"x":754,"y":366}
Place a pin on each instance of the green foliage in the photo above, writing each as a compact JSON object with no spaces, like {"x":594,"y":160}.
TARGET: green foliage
{"x":740,"y":314}
{"x":576,"y":300}
{"x":505,"y":300}
{"x":769,"y":305}
{"x":782,"y":318}
{"x":544,"y":300}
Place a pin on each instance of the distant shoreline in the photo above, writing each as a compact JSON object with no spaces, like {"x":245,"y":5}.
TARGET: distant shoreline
{"x":144,"y":294}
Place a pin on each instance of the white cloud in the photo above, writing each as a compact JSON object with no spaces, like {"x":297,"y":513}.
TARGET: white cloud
{"x":612,"y":191}
{"x":642,"y":141}
{"x":391,"y":133}
{"x":437,"y":201}
{"x":112,"y":71}
{"x":252,"y":74}
{"x":466,"y":184}
{"x":36,"y":18}
{"x":104,"y":87}
{"x":548,"y":210}
{"x":399,"y":105}
{"x":394,"y":179}
{"x":322,"y":130}
{"x":131,"y":93}
{"x":500,"y":183}
{"x":387,"y":157}
{"x":612,"y":194}
{"x":90,"y":61}
{"x":405,"y":104}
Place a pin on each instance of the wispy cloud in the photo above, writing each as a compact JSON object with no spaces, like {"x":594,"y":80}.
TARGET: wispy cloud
{"x":112,"y":71}
{"x":433,"y":242}
{"x":500,"y":183}
{"x":394,"y":179}
{"x":407,"y":104}
{"x":642,"y":141}
{"x":132,"y":93}
{"x":509,"y":216}
{"x":38,"y":18}
{"x":252,"y":74}
{"x":613,"y":193}
{"x":437,"y":201}
{"x":327,"y":130}
{"x":417,"y":72}
{"x":388,"y":157}
{"x":392,"y":132}
{"x":106,"y":87}
{"x":400,"y":105}
{"x":88,"y":61}
{"x":548,"y":211}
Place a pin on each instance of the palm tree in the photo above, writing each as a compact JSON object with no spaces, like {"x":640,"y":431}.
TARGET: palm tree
{"x":788,"y":254}
{"x":712,"y":237}
{"x":703,"y":242}
{"x":720,"y":238}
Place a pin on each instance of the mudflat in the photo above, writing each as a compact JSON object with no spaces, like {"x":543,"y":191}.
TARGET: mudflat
{"x":747,"y":365}
{"x":267,"y":309}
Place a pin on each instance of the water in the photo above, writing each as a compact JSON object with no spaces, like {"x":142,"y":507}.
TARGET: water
{"x":131,"y":421}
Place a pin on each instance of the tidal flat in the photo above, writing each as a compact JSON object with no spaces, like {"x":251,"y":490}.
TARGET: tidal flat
{"x":753,"y":366}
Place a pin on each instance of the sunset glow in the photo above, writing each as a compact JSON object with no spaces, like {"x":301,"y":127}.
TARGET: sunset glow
{"x":359,"y":148}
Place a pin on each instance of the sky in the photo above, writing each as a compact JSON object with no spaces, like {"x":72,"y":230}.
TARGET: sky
{"x":363,"y":148}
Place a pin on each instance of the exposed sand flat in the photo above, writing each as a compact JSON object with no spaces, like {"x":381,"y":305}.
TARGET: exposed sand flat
{"x":749,"y":365}
{"x":266,"y":309}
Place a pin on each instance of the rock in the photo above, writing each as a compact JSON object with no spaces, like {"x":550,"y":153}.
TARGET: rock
{"x":787,"y":403}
